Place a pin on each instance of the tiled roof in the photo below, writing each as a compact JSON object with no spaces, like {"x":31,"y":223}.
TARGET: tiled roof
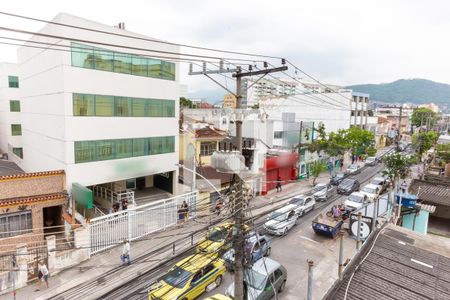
{"x":431,"y":192}
{"x":209,"y":132}
{"x":28,"y":175}
{"x":401,"y":265}
{"x":31,"y":199}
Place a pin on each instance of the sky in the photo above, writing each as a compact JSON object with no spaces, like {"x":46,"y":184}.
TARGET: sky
{"x":338,"y":42}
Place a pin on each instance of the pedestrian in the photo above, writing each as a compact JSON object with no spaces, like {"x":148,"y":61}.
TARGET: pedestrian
{"x":341,"y":162}
{"x":124,"y":204}
{"x":116,"y":207}
{"x":403,"y":186}
{"x":42,"y":275}
{"x":278,"y":184}
{"x":126,"y":253}
{"x":336,"y":212}
{"x":185,"y":210}
{"x":353,"y":159}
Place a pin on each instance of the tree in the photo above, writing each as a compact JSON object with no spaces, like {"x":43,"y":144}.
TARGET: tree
{"x":255,"y":106}
{"x":186,"y":103}
{"x":361,"y":141}
{"x":423,"y":141}
{"x":423,"y":116}
{"x":317,"y":167}
{"x":396,"y":167}
{"x":443,"y":151}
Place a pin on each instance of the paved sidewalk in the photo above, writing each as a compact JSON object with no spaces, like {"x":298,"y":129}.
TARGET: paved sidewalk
{"x":103,"y":262}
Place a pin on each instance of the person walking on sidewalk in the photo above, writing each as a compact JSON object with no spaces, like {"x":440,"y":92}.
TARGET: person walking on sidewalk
{"x":42,"y":275}
{"x":126,"y":253}
{"x":278,"y":184}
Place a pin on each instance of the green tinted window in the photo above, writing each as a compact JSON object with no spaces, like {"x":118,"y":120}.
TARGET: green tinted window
{"x":83,"y":105}
{"x":101,"y":105}
{"x":104,"y":60}
{"x":18,"y":152}
{"x":13,"y":81}
{"x":122,"y":63}
{"x":16,"y":129}
{"x":90,"y":57}
{"x":104,"y":106}
{"x":82,"y":56}
{"x":86,"y":151}
{"x":14,"y":105}
{"x":122,"y":107}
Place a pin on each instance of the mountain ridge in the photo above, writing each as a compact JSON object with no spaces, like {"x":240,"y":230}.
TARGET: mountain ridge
{"x":416,"y":91}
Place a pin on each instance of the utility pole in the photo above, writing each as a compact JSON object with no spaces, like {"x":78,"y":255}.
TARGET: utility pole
{"x":238,"y":212}
{"x":399,"y":128}
{"x":300,"y":148}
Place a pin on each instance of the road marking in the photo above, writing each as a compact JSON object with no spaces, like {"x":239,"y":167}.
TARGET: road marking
{"x":308,"y":239}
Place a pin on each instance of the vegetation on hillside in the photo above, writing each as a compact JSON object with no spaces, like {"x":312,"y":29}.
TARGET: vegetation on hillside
{"x":407,"y":90}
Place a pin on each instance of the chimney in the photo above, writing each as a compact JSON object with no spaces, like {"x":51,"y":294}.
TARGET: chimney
{"x":121,"y":25}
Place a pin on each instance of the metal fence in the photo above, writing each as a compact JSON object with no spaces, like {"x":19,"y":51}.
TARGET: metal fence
{"x":110,"y":230}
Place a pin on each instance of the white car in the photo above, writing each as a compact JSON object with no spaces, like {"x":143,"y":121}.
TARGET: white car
{"x":355,"y":200}
{"x":280,"y":221}
{"x":303,"y":204}
{"x":353,"y":169}
{"x":381,"y":182}
{"x":371,"y":191}
{"x":371,"y":161}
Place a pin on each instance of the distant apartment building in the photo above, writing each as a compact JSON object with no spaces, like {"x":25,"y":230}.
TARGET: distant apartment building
{"x":100,"y":113}
{"x":229,"y":101}
{"x":359,"y":109}
{"x":253,"y":92}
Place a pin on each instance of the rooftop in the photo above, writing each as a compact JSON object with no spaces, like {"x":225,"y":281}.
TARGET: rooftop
{"x":9,"y":168}
{"x":401,"y":265}
{"x":431,"y":191}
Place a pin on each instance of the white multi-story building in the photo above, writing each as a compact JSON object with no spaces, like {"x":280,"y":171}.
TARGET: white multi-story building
{"x":253,"y":92}
{"x":360,"y":109}
{"x":102,"y":113}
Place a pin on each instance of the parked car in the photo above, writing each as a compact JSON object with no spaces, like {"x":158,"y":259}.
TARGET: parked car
{"x":371,"y":191}
{"x":381,"y":182}
{"x":189,"y":278}
{"x":280,"y":221}
{"x":353,"y":169}
{"x":303,"y":204}
{"x":322,"y":191}
{"x":218,"y":297}
{"x":347,"y":186}
{"x":355,"y":200}
{"x":263,"y":280}
{"x":256,"y":247}
{"x":336,"y":179}
{"x":371,"y":161}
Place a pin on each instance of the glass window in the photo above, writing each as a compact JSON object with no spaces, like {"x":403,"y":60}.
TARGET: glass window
{"x":82,"y":56}
{"x":15,"y":224}
{"x":122,"y":63}
{"x":154,"y":108}
{"x":168,"y":108}
{"x":124,"y":148}
{"x":167,"y":70}
{"x":104,"y":149}
{"x":13,"y":81}
{"x":84,"y":151}
{"x":139,"y":106}
{"x":154,"y":68}
{"x":155,"y":145}
{"x":139,"y":147}
{"x":278,"y":134}
{"x":83,"y":105}
{"x":16,"y":129}
{"x":104,"y":106}
{"x":18,"y":152}
{"x":139,"y":65}
{"x":104,"y":60}
{"x":14,"y":105}
{"x":207,"y":148}
{"x":122,"y":107}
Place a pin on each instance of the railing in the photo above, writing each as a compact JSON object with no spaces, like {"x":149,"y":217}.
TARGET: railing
{"x":108,"y":194}
{"x":131,"y":224}
{"x":98,"y":211}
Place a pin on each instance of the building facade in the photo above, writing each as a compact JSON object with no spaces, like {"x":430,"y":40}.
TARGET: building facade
{"x":103,"y":113}
{"x":359,"y":109}
{"x":229,"y":101}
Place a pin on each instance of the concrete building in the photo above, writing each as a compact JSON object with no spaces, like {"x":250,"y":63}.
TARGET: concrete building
{"x":100,"y":113}
{"x":359,"y":109}
{"x":253,"y":92}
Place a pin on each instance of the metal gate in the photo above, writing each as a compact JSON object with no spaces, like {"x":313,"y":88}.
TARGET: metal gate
{"x":37,"y":251}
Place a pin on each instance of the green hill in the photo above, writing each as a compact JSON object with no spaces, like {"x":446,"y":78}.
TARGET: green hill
{"x":416,"y":91}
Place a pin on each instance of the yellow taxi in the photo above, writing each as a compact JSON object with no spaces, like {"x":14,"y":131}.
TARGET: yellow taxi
{"x":189,"y":278}
{"x":218,"y":239}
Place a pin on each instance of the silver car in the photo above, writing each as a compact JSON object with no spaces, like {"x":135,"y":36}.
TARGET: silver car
{"x":280,"y":221}
{"x":322,"y":191}
{"x":261,"y":281}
